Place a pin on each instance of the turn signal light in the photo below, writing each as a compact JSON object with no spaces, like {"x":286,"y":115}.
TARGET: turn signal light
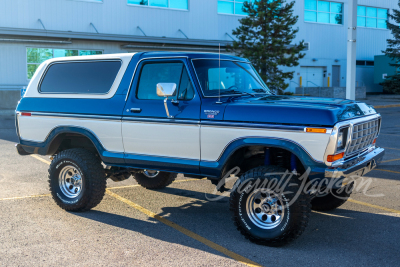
{"x":25,"y":114}
{"x":315,"y":130}
{"x":332,"y":158}
{"x":374,"y":141}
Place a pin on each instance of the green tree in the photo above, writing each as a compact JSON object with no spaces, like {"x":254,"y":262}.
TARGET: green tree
{"x":265,"y":37}
{"x":392,"y":83}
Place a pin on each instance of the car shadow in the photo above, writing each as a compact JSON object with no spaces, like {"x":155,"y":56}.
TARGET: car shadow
{"x":352,"y":234}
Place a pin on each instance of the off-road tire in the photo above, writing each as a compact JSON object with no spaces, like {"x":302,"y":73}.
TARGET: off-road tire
{"x":93,"y":179}
{"x":162,"y":180}
{"x":294,"y":219}
{"x":333,"y":200}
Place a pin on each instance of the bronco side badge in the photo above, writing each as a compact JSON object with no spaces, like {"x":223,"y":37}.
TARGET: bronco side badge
{"x":211,"y":113}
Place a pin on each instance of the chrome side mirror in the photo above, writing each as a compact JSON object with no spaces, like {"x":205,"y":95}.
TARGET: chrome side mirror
{"x":166,"y":90}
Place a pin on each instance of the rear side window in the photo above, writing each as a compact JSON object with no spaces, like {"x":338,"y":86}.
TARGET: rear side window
{"x":80,"y":77}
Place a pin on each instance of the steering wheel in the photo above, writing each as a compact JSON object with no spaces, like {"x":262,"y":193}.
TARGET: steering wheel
{"x":233,"y":86}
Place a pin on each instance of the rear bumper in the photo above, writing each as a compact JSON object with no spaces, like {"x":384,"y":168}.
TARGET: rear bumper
{"x":357,"y":166}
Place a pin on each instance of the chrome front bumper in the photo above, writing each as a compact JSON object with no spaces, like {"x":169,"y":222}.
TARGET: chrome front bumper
{"x":357,"y":166}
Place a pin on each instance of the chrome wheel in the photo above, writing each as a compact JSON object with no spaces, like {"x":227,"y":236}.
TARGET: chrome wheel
{"x":70,"y":181}
{"x":150,"y":173}
{"x":265,"y":208}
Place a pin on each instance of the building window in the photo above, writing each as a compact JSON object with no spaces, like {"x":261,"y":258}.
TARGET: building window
{"x":176,"y":4}
{"x":365,"y":63}
{"x":36,"y":56}
{"x":372,"y":17}
{"x":232,"y":7}
{"x":323,"y":12}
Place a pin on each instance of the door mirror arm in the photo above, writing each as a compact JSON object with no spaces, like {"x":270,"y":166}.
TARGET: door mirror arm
{"x":166,"y":90}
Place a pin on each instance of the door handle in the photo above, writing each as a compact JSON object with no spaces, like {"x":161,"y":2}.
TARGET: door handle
{"x":136,"y":110}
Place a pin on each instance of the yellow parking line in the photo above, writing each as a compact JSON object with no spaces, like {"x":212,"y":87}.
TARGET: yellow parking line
{"x":391,"y":148}
{"x":373,"y":206}
{"x":332,"y":215}
{"x":390,"y":134}
{"x":185,"y":231}
{"x":33,"y":196}
{"x":390,"y":160}
{"x":388,"y":106}
{"x":386,"y":171}
{"x":136,"y":185}
{"x":39,"y":158}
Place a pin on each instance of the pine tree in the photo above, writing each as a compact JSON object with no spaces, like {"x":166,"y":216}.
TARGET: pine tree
{"x":265,"y":38}
{"x":392,"y":83}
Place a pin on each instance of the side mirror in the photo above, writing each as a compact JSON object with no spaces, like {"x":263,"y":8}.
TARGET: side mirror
{"x":166,"y":90}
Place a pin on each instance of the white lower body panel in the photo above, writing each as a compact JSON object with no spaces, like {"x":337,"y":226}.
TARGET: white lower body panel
{"x":162,"y":139}
{"x":215,"y":139}
{"x":37,"y":128}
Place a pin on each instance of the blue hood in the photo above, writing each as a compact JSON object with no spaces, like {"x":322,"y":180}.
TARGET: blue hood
{"x":298,"y":110}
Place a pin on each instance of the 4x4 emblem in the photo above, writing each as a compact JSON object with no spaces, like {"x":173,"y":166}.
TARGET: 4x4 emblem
{"x":211,"y":113}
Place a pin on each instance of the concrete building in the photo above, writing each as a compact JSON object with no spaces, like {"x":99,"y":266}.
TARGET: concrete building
{"x":33,"y":31}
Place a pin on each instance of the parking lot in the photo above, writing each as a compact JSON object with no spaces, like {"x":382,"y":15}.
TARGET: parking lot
{"x":178,"y":226}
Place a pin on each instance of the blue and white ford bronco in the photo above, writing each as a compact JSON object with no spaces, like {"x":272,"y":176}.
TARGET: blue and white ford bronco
{"x":153,"y":115}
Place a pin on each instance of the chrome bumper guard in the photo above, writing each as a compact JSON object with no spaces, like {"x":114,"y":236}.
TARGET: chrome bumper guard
{"x":360,"y":165}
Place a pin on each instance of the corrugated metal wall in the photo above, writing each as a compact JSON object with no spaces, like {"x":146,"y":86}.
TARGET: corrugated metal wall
{"x":201,"y":21}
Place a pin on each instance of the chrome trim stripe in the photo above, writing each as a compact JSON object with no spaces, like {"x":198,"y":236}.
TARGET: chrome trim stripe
{"x":77,"y":116}
{"x":177,"y":121}
{"x":165,"y":121}
{"x":254,"y":125}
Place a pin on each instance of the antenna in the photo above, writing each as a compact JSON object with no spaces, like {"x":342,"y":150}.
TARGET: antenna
{"x":219,"y":74}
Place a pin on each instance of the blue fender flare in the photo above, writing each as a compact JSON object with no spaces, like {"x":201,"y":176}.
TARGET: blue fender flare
{"x":214,"y":168}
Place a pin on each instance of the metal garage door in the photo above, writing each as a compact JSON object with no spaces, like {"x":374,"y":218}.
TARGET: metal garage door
{"x":312,"y":76}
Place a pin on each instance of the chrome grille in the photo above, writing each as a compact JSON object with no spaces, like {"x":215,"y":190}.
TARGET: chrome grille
{"x":363,"y":135}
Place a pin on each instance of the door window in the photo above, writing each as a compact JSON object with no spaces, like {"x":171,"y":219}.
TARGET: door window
{"x":154,"y":73}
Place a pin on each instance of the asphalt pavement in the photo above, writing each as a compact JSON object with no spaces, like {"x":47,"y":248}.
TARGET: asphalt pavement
{"x":178,"y":226}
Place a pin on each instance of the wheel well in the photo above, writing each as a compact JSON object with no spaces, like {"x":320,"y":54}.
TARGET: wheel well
{"x":66,"y":141}
{"x":249,"y":157}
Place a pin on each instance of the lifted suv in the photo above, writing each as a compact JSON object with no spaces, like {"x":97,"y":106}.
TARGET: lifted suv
{"x":153,"y":115}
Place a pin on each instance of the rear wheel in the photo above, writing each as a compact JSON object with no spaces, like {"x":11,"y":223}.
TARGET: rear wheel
{"x":333,"y":199}
{"x":154,"y":179}
{"x":77,"y":180}
{"x":268,"y":214}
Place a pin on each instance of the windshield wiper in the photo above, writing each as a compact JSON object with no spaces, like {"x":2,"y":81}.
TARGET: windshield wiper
{"x":239,"y":92}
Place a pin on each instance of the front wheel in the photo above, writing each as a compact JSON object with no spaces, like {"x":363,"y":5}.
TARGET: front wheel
{"x":77,"y":180}
{"x":154,"y":179}
{"x":266,"y":208}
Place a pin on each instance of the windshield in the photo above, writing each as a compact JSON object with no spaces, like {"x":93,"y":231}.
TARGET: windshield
{"x":229,"y":77}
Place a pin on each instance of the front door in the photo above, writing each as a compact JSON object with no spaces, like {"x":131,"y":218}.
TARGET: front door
{"x":151,"y":139}
{"x":336,"y":76}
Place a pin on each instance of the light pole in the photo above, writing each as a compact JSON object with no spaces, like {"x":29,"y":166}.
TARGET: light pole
{"x":351,"y":50}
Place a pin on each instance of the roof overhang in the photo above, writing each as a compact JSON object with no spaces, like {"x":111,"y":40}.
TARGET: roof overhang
{"x":41,"y":33}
